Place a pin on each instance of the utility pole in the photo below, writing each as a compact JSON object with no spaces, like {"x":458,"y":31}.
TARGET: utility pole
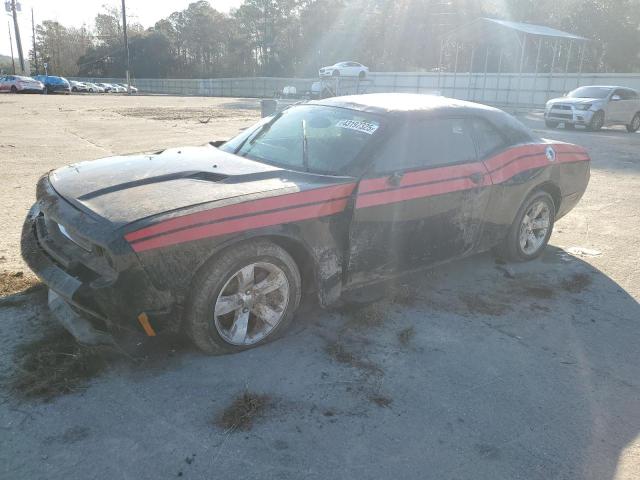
{"x":16,"y":29}
{"x":126,"y":43}
{"x":13,"y":60}
{"x":33,"y":32}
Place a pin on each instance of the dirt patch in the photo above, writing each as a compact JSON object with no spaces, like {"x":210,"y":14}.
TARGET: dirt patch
{"x":576,"y":283}
{"x":381,"y":400}
{"x":402,"y":295}
{"x":405,"y":335}
{"x":478,"y":305}
{"x":243,"y":411}
{"x":55,"y":365}
{"x":342,"y":354}
{"x":368,"y":316}
{"x":17,"y":282}
{"x":203,"y":114}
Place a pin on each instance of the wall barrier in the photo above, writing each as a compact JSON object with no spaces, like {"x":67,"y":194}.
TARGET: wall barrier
{"x":508,"y":89}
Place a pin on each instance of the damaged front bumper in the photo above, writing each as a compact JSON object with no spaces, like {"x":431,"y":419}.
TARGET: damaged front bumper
{"x":94,"y":289}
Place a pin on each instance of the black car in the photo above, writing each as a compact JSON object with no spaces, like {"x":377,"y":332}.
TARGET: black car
{"x":324,"y":197}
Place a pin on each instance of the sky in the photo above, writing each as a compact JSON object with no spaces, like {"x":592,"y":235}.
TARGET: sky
{"x":76,"y":12}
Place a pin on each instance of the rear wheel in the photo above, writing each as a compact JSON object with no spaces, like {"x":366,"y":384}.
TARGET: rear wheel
{"x":551,"y":124}
{"x":243,"y":298}
{"x":531,"y":229}
{"x":597,"y":121}
{"x":634,"y":126}
{"x":14,"y":89}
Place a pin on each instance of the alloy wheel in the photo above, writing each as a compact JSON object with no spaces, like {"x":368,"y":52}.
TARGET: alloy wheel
{"x":252,"y":303}
{"x":534,"y":227}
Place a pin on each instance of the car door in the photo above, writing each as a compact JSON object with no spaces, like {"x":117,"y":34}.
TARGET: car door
{"x":616,"y":107}
{"x":630,"y":103}
{"x":421,"y":202}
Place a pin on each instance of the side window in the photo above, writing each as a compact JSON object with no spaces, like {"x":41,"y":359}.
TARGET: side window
{"x":620,"y":93}
{"x":426,"y":144}
{"x":629,"y":95}
{"x":488,"y":138}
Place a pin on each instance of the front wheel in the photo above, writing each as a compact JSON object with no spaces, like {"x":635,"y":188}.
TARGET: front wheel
{"x":530,"y":232}
{"x":634,"y":126}
{"x":597,"y":121}
{"x":362,"y":75}
{"x":14,"y":89}
{"x":551,"y":124}
{"x":244,"y":298}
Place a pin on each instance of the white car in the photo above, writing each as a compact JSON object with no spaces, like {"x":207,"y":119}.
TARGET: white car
{"x":345,"y":69}
{"x":124,"y":85}
{"x":94,"y":88}
{"x":595,"y":107}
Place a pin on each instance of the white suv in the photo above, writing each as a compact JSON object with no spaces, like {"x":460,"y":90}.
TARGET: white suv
{"x":595,"y":107}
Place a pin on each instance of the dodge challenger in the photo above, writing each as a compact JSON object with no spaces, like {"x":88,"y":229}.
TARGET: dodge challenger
{"x":222,"y":241}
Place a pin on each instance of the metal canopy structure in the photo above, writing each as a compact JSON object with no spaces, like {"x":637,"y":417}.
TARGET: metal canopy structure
{"x":510,"y":47}
{"x":494,"y":31}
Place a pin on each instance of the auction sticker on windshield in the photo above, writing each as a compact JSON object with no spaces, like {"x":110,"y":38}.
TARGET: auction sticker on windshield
{"x":359,"y":126}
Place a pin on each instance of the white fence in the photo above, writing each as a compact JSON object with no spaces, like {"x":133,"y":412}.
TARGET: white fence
{"x":513,"y":90}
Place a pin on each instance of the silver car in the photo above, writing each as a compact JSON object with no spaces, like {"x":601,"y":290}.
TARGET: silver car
{"x":595,"y":107}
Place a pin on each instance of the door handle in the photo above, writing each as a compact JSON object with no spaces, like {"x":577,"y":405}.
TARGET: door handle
{"x":395,"y":179}
{"x":477,"y":178}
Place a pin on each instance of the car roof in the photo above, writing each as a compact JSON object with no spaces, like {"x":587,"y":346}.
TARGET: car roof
{"x":384,"y":103}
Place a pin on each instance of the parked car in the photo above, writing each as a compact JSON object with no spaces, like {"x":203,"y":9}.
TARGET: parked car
{"x":78,"y":86}
{"x":322,"y":197}
{"x":107,"y":87}
{"x":94,"y":87}
{"x":345,"y":69}
{"x":124,"y":85}
{"x":20,"y":84}
{"x":118,"y":88}
{"x":595,"y":107}
{"x":54,"y":84}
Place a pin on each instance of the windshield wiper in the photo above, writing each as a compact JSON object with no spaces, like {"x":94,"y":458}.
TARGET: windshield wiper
{"x":305,"y":147}
{"x":261,"y":131}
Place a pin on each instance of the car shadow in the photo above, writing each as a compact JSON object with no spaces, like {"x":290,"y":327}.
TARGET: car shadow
{"x":475,"y":369}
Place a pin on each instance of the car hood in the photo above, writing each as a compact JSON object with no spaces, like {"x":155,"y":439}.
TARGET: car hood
{"x":574,"y":101}
{"x":125,"y":189}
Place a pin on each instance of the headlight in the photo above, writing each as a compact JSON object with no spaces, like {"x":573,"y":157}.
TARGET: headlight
{"x":583,"y":106}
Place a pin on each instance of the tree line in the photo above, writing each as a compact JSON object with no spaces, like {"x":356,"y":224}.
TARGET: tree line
{"x":295,"y":37}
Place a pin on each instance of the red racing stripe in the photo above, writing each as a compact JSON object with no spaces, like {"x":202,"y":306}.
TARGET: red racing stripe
{"x":410,"y":193}
{"x":254,"y":206}
{"x":423,"y":176}
{"x":240,"y":224}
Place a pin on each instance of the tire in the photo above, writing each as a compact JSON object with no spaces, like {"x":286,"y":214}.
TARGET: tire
{"x":91,"y":90}
{"x":222,"y":277}
{"x":74,"y":89}
{"x":597,"y":121}
{"x":551,"y":124}
{"x":511,"y":248}
{"x":634,"y":126}
{"x":362,"y":75}
{"x":335,"y":73}
{"x":569,"y":126}
{"x":14,"y":89}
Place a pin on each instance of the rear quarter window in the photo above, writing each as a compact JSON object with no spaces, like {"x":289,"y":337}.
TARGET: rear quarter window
{"x":427,"y":143}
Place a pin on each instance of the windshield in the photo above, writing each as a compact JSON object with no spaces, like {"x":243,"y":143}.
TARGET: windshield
{"x":313,"y":138}
{"x":590,"y":92}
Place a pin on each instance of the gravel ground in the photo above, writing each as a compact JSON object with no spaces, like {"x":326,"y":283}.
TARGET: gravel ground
{"x":472,"y":371}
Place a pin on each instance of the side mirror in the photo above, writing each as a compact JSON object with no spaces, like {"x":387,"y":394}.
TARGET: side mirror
{"x":217,"y":143}
{"x":615,"y":98}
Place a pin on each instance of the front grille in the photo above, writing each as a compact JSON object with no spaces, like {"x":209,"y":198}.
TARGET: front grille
{"x":561,"y":115}
{"x":562,"y":107}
